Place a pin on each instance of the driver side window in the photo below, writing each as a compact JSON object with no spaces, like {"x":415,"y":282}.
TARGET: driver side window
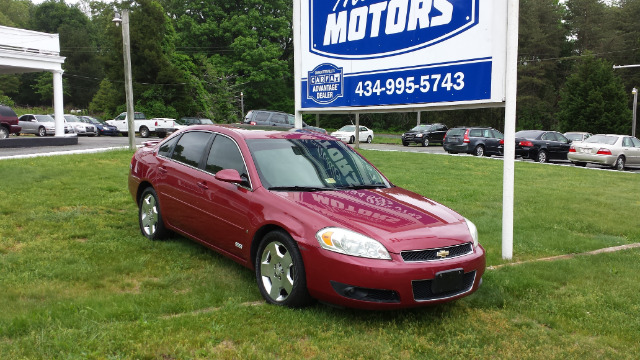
{"x":224,"y":154}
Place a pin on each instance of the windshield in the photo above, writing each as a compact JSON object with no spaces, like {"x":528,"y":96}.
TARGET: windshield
{"x":72,"y":118}
{"x":348,"y":128}
{"x":290,"y":165}
{"x":421,"y":128}
{"x":602,"y":139}
{"x":44,"y":118}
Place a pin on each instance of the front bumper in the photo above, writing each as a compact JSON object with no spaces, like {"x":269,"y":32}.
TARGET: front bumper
{"x":385,"y":284}
{"x":412,"y":139}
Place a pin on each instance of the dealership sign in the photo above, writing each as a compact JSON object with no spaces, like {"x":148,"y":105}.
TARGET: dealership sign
{"x":397,"y":53}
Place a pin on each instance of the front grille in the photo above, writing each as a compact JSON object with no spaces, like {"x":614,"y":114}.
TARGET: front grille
{"x":432,"y":254}
{"x":422,"y":289}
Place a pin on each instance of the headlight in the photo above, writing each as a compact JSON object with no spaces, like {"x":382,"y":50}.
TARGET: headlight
{"x":474,"y":232}
{"x":418,"y":135}
{"x":347,"y":242}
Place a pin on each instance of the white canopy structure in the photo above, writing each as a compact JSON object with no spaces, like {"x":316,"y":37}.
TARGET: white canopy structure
{"x":23,"y":51}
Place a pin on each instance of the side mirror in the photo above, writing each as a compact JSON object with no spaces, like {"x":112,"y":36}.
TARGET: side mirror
{"x":229,"y":175}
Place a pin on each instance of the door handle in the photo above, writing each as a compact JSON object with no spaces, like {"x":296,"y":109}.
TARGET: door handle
{"x":202,"y":185}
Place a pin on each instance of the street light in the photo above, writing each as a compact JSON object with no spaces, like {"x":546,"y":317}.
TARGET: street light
{"x":635,"y":105}
{"x":128,"y":85}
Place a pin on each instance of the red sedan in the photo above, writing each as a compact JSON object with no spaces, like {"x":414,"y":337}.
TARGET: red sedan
{"x":309,"y":215}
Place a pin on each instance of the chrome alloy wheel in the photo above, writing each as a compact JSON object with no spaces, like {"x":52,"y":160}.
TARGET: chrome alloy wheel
{"x":277,"y":271}
{"x":149,"y":214}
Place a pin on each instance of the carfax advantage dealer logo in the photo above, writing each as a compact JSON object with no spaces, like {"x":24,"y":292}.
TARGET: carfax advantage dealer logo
{"x":366,"y":29}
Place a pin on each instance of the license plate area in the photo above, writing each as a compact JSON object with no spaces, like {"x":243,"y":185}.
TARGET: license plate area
{"x":448,"y":281}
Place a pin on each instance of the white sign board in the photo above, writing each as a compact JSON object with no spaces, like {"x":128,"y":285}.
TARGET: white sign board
{"x":394,"y":54}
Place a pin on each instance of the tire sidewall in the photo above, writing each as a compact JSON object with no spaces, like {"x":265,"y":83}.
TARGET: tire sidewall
{"x":299,"y":295}
{"x":161,"y":231}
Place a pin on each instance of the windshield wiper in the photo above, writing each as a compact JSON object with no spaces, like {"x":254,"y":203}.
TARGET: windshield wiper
{"x":299,"y":188}
{"x":363,"y":186}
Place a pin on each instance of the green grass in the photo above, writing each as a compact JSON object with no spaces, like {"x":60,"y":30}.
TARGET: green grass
{"x":78,"y":280}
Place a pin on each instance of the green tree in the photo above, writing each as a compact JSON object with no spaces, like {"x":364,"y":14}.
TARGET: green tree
{"x":77,"y":45}
{"x":594,"y":100}
{"x":15,"y":13}
{"x":542,"y":40}
{"x":105,"y":101}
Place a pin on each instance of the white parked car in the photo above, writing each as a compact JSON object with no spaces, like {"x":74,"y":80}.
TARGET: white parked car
{"x":80,"y":127}
{"x":617,"y":151}
{"x":347,"y":134}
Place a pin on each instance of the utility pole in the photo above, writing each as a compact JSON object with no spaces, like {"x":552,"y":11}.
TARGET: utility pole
{"x":128,"y":84}
{"x":635,"y":106}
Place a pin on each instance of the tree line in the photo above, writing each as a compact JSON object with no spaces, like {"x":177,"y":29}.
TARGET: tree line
{"x":196,"y":58}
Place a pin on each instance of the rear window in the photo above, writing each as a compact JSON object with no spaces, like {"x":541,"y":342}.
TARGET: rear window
{"x":6,"y":111}
{"x":456,"y":132}
{"x":602,"y":139}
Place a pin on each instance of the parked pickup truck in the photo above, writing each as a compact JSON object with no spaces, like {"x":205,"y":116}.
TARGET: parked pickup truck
{"x":160,"y":126}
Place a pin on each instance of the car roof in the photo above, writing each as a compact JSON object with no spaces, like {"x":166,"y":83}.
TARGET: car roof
{"x":262,"y":132}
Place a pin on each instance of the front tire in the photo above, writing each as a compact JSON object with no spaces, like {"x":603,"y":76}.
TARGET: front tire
{"x":620,"y":162}
{"x":280,"y":271}
{"x":149,"y":215}
{"x":352,"y":140}
{"x":425,"y":142}
{"x":542,"y":157}
{"x":404,"y":143}
{"x":42,"y":131}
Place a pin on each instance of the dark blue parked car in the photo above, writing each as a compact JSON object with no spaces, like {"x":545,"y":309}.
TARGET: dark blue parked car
{"x":103,"y":128}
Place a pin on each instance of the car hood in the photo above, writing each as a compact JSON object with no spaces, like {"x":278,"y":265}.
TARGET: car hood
{"x":399,"y":219}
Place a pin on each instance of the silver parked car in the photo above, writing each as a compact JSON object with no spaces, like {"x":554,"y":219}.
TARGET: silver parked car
{"x":617,"y":151}
{"x":40,"y":125}
{"x":80,"y":127}
{"x":577,"y":135}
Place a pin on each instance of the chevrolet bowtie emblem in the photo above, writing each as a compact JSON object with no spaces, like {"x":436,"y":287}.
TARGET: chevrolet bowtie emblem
{"x":442,"y":254}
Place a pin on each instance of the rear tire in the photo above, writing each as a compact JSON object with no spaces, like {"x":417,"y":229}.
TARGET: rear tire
{"x":369,"y":139}
{"x":620,"y":162}
{"x":542,"y":157}
{"x":144,"y":132}
{"x":478,"y":151}
{"x":150,"y":216}
{"x":4,"y":133}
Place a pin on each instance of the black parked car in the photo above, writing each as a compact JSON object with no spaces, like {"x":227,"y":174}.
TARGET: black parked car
{"x":276,"y":118}
{"x":425,"y":134}
{"x":103,"y":128}
{"x":479,"y":141}
{"x":541,"y":145}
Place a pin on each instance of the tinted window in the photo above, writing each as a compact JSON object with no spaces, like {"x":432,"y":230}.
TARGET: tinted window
{"x":225,"y":154}
{"x":6,"y":111}
{"x":138,"y":116}
{"x":291,"y":119}
{"x":549,"y":136}
{"x":190,"y":147}
{"x":279,"y":118}
{"x":167,"y":146}
{"x":627,"y":142}
{"x":636,"y":142}
{"x":528,"y":134}
{"x":475,"y":132}
{"x":261,"y":116}
{"x":561,"y":138}
{"x":497,"y":134}
{"x":456,"y":132}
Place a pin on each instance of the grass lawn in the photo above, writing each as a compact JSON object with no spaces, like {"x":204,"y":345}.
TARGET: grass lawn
{"x":78,"y":280}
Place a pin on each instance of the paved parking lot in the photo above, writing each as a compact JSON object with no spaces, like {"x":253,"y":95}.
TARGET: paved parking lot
{"x":103,"y":143}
